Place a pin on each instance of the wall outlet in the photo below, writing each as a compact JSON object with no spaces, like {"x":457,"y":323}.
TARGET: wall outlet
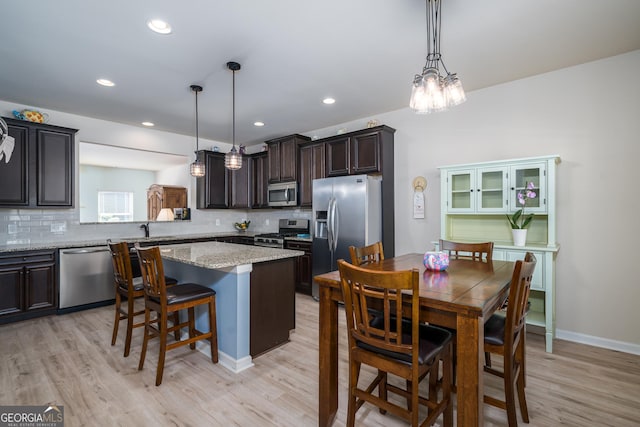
{"x":217,"y":221}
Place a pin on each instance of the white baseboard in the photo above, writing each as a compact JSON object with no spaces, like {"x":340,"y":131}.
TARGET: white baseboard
{"x":234,"y":365}
{"x":622,"y":346}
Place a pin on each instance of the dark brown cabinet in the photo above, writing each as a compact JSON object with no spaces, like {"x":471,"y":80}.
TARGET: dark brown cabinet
{"x":259,"y":180}
{"x":303,"y":265}
{"x":28,"y":285}
{"x":355,"y":153}
{"x":40,"y":173}
{"x":312,"y":166}
{"x":212,"y":190}
{"x":283,"y":157}
{"x":240,"y":185}
{"x":222,"y":188}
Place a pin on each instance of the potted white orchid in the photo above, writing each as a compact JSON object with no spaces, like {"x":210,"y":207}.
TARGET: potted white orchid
{"x":519,"y":221}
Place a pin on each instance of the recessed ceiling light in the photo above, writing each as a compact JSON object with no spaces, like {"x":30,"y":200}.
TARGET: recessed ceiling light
{"x":148,"y":124}
{"x":329,"y":101}
{"x":258,"y":124}
{"x":159,"y":26}
{"x":105,"y":82}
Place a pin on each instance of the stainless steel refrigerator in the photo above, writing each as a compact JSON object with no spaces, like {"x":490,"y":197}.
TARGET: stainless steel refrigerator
{"x":347,"y":210}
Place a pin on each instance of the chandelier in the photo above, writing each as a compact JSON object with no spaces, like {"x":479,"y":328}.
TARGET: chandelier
{"x":197,"y":168}
{"x":233,"y":159}
{"x":431,"y":91}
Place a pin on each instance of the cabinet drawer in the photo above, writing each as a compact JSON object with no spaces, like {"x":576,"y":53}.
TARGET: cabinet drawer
{"x":298,"y":246}
{"x":27,"y":258}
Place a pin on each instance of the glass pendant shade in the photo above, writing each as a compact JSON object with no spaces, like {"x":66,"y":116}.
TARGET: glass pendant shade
{"x":197,"y":169}
{"x":431,"y":92}
{"x":233,"y":159}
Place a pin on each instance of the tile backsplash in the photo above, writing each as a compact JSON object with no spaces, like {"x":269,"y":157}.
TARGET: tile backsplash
{"x":29,"y":226}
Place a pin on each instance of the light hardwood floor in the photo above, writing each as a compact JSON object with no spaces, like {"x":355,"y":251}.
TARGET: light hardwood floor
{"x":68,"y":360}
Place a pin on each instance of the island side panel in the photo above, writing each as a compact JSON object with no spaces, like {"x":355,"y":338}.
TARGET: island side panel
{"x":232,"y":308}
{"x":272,"y":304}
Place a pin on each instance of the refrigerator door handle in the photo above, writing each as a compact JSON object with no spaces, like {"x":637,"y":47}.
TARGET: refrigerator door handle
{"x":336,"y":224}
{"x":329,"y":225}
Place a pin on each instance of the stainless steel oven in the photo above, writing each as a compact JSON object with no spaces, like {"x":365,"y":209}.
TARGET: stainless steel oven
{"x":283,"y":194}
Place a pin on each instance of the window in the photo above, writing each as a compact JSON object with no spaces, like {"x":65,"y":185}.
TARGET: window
{"x":114,"y":206}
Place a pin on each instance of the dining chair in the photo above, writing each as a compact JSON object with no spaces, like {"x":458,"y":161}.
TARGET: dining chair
{"x":393,"y":345}
{"x":164,"y":300}
{"x":128,"y":287}
{"x":504,"y":335}
{"x":529,"y":257}
{"x":474,"y":251}
{"x":366,"y":254}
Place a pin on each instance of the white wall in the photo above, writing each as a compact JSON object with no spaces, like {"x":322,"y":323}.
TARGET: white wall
{"x":592,"y":121}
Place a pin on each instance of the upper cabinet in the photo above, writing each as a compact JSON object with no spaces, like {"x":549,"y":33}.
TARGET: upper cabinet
{"x":494,"y":189}
{"x":356,"y":152}
{"x":40,"y":173}
{"x":221,"y":188}
{"x":259,"y":180}
{"x":312,"y":166}
{"x":283,"y":158}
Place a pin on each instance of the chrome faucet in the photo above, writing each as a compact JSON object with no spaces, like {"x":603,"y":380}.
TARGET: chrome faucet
{"x":146,"y":229}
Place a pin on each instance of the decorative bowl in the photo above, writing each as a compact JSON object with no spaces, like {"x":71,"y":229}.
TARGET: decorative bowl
{"x":436,"y":261}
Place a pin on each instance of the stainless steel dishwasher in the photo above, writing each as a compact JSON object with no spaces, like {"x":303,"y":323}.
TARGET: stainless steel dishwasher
{"x":86,"y":277}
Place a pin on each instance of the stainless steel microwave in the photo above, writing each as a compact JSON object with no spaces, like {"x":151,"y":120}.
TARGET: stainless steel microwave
{"x":283,"y":194}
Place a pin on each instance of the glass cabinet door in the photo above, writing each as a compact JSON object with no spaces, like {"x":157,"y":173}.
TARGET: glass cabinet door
{"x":491,"y":192}
{"x":461,"y":186}
{"x":521,"y":176}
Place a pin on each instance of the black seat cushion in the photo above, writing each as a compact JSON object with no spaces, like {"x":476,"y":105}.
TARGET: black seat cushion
{"x":494,"y":329}
{"x":432,"y":340}
{"x":186,"y":292}
{"x":138,"y":285}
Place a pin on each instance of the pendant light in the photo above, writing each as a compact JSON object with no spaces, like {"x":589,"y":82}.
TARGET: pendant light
{"x":431,"y":91}
{"x":197,"y":168}
{"x":233,"y":159}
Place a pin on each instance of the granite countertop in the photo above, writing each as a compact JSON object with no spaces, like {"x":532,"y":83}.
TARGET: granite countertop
{"x":216,"y":255}
{"x":144,"y":241}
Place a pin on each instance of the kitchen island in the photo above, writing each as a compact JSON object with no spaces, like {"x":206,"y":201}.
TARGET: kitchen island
{"x":255,"y":294}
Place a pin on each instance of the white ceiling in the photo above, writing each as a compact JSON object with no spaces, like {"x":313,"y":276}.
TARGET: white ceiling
{"x":293,"y":53}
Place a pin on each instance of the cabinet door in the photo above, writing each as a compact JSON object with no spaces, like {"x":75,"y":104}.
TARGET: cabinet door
{"x":40,"y":290}
{"x":259,"y":180}
{"x":14,"y":187}
{"x":54,"y":168}
{"x":537,"y":281}
{"x":312,"y":166}
{"x":174,"y":197}
{"x":213,"y":189}
{"x":274,"y":162}
{"x":461,"y":191}
{"x":520,"y":176}
{"x":289,"y":160}
{"x":11,"y":295}
{"x":240,"y":185}
{"x":337,"y":156}
{"x":491,"y":190}
{"x":365,"y":153}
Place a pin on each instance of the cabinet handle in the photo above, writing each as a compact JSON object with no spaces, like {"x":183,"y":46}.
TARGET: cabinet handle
{"x":478,"y":190}
{"x":471,"y":190}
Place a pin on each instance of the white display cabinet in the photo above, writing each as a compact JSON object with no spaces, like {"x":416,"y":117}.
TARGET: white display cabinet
{"x":474,"y":201}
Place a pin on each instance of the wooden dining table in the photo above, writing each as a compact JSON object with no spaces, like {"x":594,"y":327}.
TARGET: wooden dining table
{"x":459,"y":298}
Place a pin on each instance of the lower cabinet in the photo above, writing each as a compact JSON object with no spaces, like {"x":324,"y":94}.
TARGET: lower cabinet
{"x":272,"y":304}
{"x":303,"y":265}
{"x":28,"y":285}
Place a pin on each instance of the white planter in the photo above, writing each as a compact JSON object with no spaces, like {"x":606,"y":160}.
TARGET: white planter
{"x":519,"y":236}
